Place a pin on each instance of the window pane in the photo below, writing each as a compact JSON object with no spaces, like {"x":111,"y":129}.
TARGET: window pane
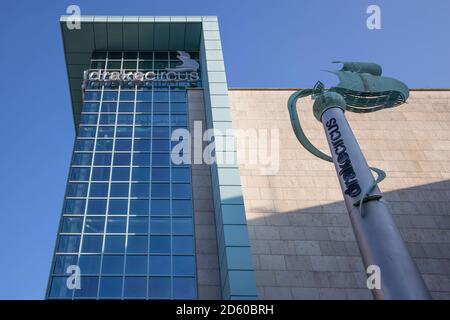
{"x":159,"y":287}
{"x":142,"y":145}
{"x":181,"y":174}
{"x":110,"y":95}
{"x":159,"y":244}
{"x":141,"y":174}
{"x":159,"y":265}
{"x":72,"y":224}
{"x":160,"y":159}
{"x":112,"y":264}
{"x":77,"y":189}
{"x":161,"y":132}
{"x":102,"y":159}
{"x":182,"y":207}
{"x":184,"y":288}
{"x":105,"y":132}
{"x":120,"y":174}
{"x":181,"y":190}
{"x":141,"y":159}
{"x":123,"y":145}
{"x":107,"y":119}
{"x":118,"y":206}
{"x":126,"y":106}
{"x":140,"y":189}
{"x":96,"y":206}
{"x":183,"y":265}
{"x":125,"y":119}
{"x":100,"y":174}
{"x":144,"y":107}
{"x":159,"y":225}
{"x":109,"y":106}
{"x":119,"y":189}
{"x":160,"y":207}
{"x":182,"y":245}
{"x":117,"y":225}
{"x":75,"y":206}
{"x":98,"y":190}
{"x":160,"y":174}
{"x":89,"y":287}
{"x":115,"y":244}
{"x":161,"y":107}
{"x":182,"y":226}
{"x":59,"y":288}
{"x":87,"y":118}
{"x":91,"y":107}
{"x":111,"y":287}
{"x":80,"y":174}
{"x":135,"y":287}
{"x":142,"y":132}
{"x":92,"y":244}
{"x":128,"y":95}
{"x":90,"y":264}
{"x":160,"y":120}
{"x":136,"y":265}
{"x":82,"y":159}
{"x":86,"y":131}
{"x":178,"y":107}
{"x":139,"y":207}
{"x":94,"y":225}
{"x":161,"y":95}
{"x":160,"y":190}
{"x":125,"y":132}
{"x":161,"y":145}
{"x":92,"y":95}
{"x":144,"y":96}
{"x":137,"y":244}
{"x":138,"y":225}
{"x":69,"y":244}
{"x":62,"y":262}
{"x":104,"y":145}
{"x":122,"y":159}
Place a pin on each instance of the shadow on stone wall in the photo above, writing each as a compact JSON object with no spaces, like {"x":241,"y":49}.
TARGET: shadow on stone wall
{"x":311,"y":253}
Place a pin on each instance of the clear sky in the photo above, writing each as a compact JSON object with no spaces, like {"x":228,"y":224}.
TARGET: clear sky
{"x":266,"y":44}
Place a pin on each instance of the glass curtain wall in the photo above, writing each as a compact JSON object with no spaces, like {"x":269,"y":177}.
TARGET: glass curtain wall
{"x":127,"y":219}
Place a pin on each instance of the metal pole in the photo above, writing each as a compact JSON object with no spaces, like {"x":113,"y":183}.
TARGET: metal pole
{"x":378,"y":238}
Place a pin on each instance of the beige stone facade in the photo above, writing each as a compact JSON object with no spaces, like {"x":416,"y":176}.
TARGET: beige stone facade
{"x":302,"y":242}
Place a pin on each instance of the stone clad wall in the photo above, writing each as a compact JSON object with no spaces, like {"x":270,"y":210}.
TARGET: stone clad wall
{"x":302,"y":241}
{"x":208,"y":277}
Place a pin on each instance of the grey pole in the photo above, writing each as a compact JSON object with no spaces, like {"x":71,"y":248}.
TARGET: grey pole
{"x":378,"y":238}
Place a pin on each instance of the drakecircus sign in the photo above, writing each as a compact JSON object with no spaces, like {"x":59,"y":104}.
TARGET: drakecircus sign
{"x":139,"y":77}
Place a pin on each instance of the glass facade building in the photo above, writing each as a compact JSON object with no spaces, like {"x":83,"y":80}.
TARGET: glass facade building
{"x":127,"y":218}
{"x":128,"y":228}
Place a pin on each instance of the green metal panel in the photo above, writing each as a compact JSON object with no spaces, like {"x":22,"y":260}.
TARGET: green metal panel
{"x":115,"y":33}
{"x":101,"y":33}
{"x":130,"y":33}
{"x":176,"y":35}
{"x":146,"y":33}
{"x":161,"y":34}
{"x":192,"y":36}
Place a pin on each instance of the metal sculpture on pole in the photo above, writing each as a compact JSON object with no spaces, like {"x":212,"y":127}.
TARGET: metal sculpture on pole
{"x":362,"y":89}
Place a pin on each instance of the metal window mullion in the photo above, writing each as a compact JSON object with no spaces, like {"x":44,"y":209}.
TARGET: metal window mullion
{"x":170,"y":192}
{"x":89,"y":189}
{"x":130,"y":178}
{"x":109,"y":190}
{"x":150,"y":186}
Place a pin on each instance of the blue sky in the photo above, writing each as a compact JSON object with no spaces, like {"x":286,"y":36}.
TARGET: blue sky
{"x":266,"y":44}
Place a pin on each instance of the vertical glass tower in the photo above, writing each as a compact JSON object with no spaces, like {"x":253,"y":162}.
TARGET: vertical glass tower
{"x":128,"y":227}
{"x":127,"y":218}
